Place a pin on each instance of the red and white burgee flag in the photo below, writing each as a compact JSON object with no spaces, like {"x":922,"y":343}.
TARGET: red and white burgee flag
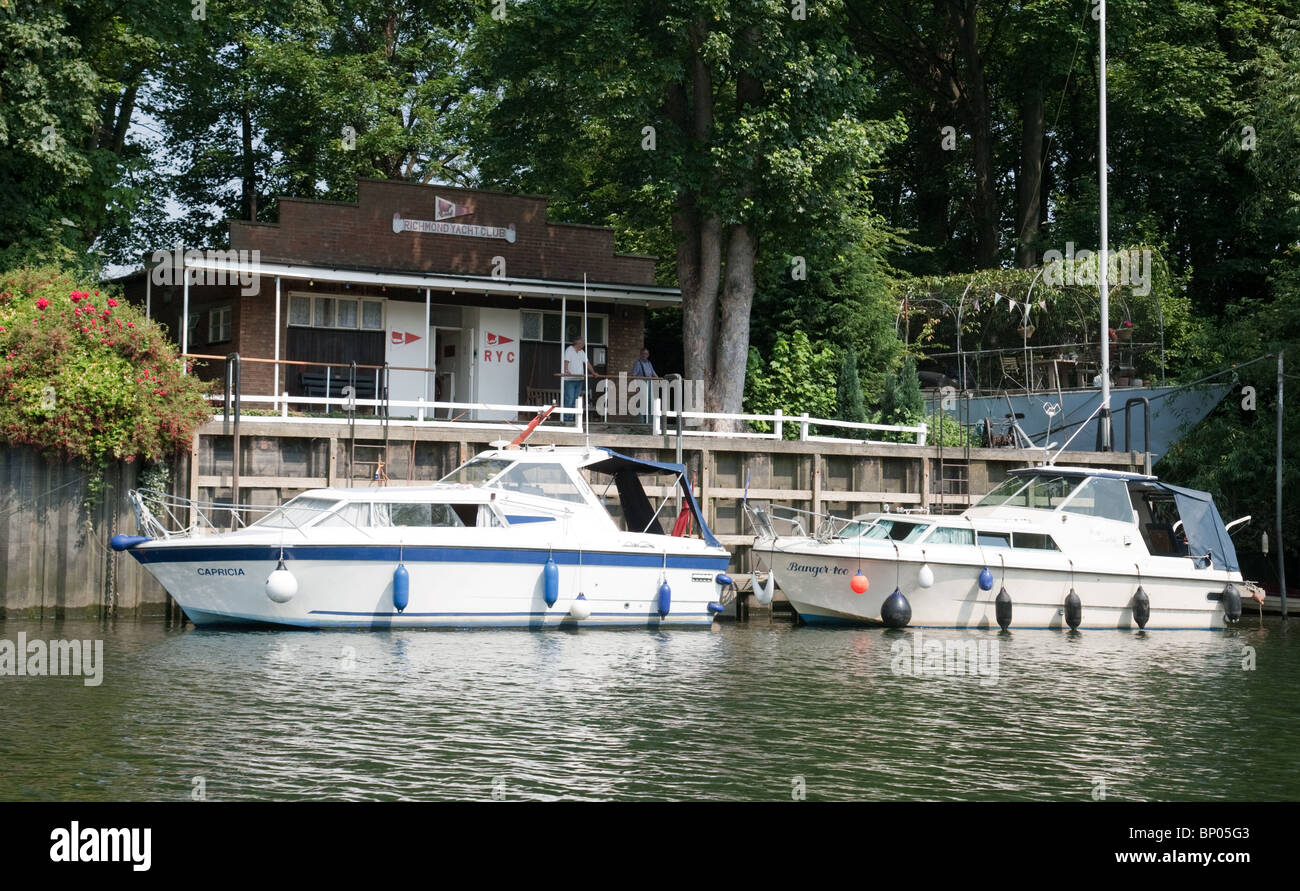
{"x":498,"y":339}
{"x":445,"y":209}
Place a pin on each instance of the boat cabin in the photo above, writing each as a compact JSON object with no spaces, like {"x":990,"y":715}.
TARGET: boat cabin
{"x":510,"y":487}
{"x":1171,"y":521}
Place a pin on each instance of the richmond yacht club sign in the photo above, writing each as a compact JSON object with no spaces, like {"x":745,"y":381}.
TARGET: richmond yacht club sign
{"x":446,"y":210}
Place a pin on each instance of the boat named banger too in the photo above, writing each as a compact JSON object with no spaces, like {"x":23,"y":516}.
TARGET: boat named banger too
{"x":516,"y":537}
{"x":1049,"y":547}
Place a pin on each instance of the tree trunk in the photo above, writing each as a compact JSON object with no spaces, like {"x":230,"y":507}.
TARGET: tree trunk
{"x":731,"y":349}
{"x":1029,"y":184}
{"x":699,"y":270}
{"x":986,"y":210}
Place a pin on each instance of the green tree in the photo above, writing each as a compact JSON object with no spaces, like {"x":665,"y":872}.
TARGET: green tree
{"x":739,"y":122}
{"x":848,"y":390}
{"x":799,"y":378}
{"x":270,"y":98}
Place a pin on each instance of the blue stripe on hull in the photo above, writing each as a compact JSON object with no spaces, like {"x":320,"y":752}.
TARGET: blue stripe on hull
{"x":418,"y":554}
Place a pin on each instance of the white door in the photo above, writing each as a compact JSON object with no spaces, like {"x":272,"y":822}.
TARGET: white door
{"x":407,"y":346}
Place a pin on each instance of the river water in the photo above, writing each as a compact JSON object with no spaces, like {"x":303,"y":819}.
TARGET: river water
{"x":761,"y":710}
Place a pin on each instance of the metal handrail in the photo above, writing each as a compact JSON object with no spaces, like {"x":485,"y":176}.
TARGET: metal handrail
{"x":144,"y":502}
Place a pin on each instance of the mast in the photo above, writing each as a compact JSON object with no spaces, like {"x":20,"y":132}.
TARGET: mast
{"x":1104,"y":439}
{"x":1281,"y":550}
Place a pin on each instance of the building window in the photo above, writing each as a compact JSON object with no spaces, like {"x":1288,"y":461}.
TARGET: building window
{"x":193,"y":337}
{"x":336,"y":312}
{"x":346,"y":313}
{"x":300,"y":311}
{"x":219,"y":324}
{"x":323,"y":315}
{"x":544,"y":325}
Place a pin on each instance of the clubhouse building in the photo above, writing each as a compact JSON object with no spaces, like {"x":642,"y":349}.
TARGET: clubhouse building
{"x":466,"y":295}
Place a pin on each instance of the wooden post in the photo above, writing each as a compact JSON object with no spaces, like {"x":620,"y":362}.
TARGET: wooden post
{"x":706,"y":477}
{"x":816,"y":484}
{"x":194,"y":478}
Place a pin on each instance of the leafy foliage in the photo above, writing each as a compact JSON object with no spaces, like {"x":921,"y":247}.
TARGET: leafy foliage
{"x":848,"y":390}
{"x":86,"y":376}
{"x":798,"y":374}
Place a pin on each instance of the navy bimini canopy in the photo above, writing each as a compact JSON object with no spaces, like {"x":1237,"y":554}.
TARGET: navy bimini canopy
{"x":625,"y":469}
{"x":1203,"y":526}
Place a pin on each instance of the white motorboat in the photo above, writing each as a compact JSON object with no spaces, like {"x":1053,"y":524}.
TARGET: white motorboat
{"x":514,"y":537}
{"x":1049,"y":547}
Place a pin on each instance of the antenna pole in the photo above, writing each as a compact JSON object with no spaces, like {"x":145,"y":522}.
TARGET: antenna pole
{"x":586,"y":397}
{"x":1281,"y":551}
{"x":1105,"y":443}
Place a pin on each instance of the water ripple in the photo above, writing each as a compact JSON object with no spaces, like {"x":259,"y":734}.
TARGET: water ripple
{"x":741,"y":713}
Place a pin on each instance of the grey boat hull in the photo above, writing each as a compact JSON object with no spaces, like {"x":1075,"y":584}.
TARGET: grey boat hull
{"x":1174,"y":411}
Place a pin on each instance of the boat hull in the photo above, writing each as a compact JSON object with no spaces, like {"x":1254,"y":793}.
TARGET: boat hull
{"x":449,"y":587}
{"x":1174,"y":411}
{"x":816,"y":581}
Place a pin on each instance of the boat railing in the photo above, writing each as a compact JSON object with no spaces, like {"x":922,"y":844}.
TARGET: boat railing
{"x":764,"y":522}
{"x":1047,"y":368}
{"x":164,"y":515}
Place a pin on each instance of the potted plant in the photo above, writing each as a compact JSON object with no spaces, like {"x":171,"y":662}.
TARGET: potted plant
{"x":1125,"y":332}
{"x":1026,"y":331}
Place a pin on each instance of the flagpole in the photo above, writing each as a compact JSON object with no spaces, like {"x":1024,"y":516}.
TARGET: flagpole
{"x":1104,"y":441}
{"x":586,"y":397}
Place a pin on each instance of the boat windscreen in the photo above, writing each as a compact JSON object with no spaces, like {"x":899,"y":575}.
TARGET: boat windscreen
{"x":477,"y":471}
{"x":1040,"y":492}
{"x":546,"y":480}
{"x":1003,"y":491}
{"x":296,"y":513}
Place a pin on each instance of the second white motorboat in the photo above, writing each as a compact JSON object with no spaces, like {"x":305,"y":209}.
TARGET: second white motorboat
{"x":1050,"y":547}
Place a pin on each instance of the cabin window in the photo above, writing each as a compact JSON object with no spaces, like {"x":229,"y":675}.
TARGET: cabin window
{"x":1103,"y":497}
{"x":355,"y":514}
{"x":951,"y":535}
{"x":415,"y":513}
{"x":1034,"y":541}
{"x":896,"y":530}
{"x":296,"y":513}
{"x":546,"y":480}
{"x":994,"y":539}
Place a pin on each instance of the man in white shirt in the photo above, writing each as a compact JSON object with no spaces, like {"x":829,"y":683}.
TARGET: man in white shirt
{"x":575,"y":365}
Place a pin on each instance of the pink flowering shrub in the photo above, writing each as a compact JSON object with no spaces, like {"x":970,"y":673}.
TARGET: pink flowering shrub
{"x":83,"y":375}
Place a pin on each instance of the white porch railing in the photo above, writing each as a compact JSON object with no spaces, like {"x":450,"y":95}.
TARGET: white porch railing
{"x":662,"y":421}
{"x":660,"y":417}
{"x":424,"y":412}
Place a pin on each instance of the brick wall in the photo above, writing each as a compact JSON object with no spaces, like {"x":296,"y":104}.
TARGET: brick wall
{"x":626,"y":337}
{"x":345,"y":235}
{"x":361,"y":235}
